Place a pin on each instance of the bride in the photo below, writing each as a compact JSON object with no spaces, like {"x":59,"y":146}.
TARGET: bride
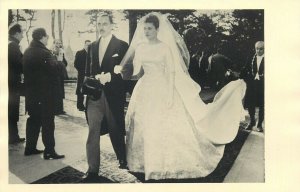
{"x":171,"y":132}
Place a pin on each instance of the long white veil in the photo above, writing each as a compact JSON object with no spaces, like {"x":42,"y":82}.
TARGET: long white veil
{"x":218,"y":121}
{"x":167,"y":34}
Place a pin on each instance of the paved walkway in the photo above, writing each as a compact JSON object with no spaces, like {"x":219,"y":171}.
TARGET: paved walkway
{"x":71,"y":133}
{"x":249,"y":167}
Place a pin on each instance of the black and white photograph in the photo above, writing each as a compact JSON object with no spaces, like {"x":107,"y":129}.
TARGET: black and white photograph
{"x":137,"y":96}
{"x":141,"y":95}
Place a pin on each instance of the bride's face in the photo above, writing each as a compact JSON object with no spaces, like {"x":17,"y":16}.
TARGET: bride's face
{"x":150,"y":31}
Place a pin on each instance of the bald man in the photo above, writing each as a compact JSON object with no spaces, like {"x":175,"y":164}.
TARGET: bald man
{"x":253,"y":74}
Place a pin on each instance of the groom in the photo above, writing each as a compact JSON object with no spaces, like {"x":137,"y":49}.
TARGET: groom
{"x":103,"y":55}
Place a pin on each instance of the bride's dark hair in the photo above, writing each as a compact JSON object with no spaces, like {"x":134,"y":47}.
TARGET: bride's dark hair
{"x":152,"y":19}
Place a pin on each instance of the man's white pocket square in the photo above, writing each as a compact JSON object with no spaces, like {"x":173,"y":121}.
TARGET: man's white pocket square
{"x":115,"y":55}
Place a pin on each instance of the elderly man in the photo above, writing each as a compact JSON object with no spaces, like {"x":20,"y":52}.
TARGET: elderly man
{"x":253,"y":74}
{"x":40,"y":77}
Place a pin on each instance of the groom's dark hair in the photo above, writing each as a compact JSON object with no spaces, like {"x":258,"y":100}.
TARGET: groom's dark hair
{"x":110,"y":17}
{"x":152,"y":19}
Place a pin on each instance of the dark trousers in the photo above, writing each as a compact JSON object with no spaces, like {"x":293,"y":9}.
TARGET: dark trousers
{"x":40,"y":118}
{"x":261,"y":114}
{"x":256,"y":98}
{"x":13,"y":114}
{"x":80,"y":98}
{"x":59,"y":105}
{"x":97,"y":110}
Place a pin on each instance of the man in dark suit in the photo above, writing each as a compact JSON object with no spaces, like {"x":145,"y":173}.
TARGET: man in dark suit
{"x":103,"y":55}
{"x":40,"y":77}
{"x":14,"y":81}
{"x":57,"y":49}
{"x":194,"y":67}
{"x":79,"y":64}
{"x":253,"y":74}
{"x":220,"y":64}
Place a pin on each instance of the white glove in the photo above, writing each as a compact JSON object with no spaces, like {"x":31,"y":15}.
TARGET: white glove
{"x":227,"y":73}
{"x":103,"y":78}
{"x":84,"y":100}
{"x":22,"y":78}
{"x":118,"y":69}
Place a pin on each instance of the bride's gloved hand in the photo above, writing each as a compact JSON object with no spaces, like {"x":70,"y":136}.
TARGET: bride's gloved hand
{"x":118,"y":69}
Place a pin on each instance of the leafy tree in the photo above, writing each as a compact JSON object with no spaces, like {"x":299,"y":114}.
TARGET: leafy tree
{"x":10,"y":17}
{"x":94,"y":14}
{"x":201,"y":36}
{"x":53,"y":23}
{"x":247,"y":28}
{"x":22,"y":15}
{"x":179,"y":18}
{"x":15,"y":16}
{"x":29,"y":20}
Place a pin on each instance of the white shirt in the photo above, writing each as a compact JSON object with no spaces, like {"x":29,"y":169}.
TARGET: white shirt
{"x":258,"y":61}
{"x":103,"y":46}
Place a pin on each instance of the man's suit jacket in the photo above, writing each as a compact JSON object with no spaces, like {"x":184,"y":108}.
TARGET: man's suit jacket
{"x":194,"y":69}
{"x":219,"y":65}
{"x":79,"y":64}
{"x":14,"y":64}
{"x":255,"y":88}
{"x":41,"y":78}
{"x":14,"y":78}
{"x":115,"y":89}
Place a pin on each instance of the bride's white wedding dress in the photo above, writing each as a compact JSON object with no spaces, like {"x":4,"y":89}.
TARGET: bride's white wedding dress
{"x":187,"y":139}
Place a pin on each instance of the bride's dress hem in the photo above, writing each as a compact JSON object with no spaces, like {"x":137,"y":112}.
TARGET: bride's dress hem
{"x":171,"y":175}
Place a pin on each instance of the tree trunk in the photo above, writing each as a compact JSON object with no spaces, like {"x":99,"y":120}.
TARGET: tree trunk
{"x":18,"y":16}
{"x":52,"y":23}
{"x":32,"y":13}
{"x":181,"y":24}
{"x":97,"y":30}
{"x":10,"y":17}
{"x":132,"y":24}
{"x":59,"y":25}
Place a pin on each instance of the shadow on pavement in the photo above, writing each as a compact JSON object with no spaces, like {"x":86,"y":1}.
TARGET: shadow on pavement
{"x":67,"y":175}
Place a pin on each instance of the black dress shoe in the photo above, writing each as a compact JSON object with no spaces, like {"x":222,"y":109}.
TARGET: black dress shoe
{"x":259,"y":129}
{"x":81,"y":108}
{"x":90,"y":178}
{"x":32,"y":152}
{"x":16,"y":141}
{"x":52,"y":155}
{"x":250,"y":126}
{"x":61,"y":113}
{"x":123,"y":165}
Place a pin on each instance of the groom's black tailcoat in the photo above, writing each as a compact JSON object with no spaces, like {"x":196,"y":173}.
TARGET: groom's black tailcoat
{"x":255,"y":88}
{"x":115,"y":90}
